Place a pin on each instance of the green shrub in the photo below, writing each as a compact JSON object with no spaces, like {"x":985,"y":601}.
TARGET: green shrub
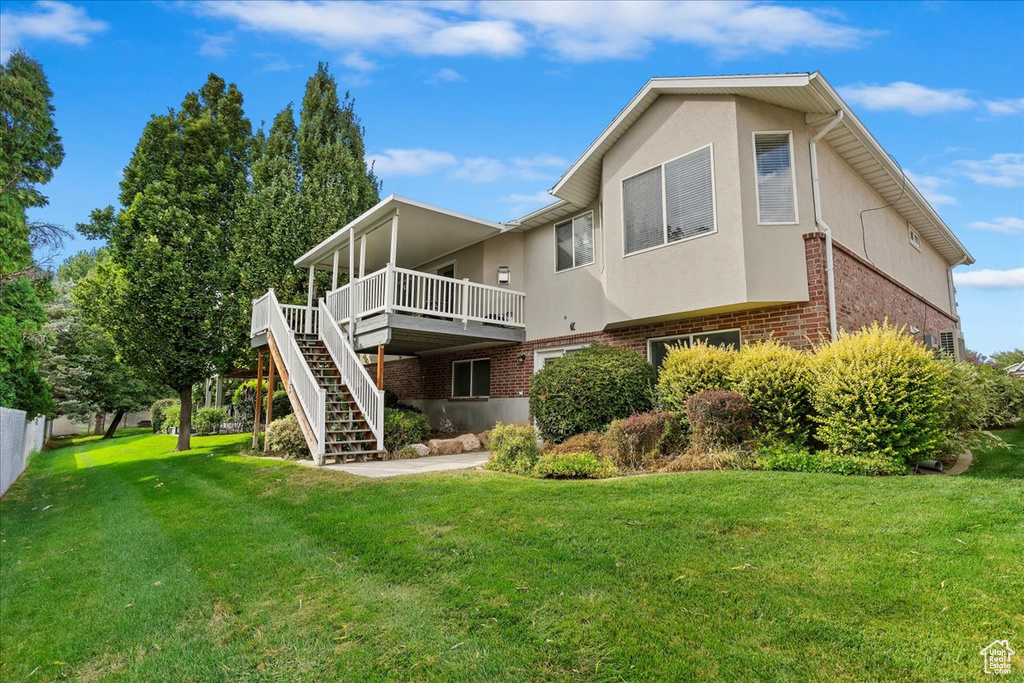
{"x":244,"y":403}
{"x":404,"y":428}
{"x":513,"y":449}
{"x":282,"y":404}
{"x":789,"y":459}
{"x":718,"y":419}
{"x":687,"y":371}
{"x":172,"y":417}
{"x":284,"y":438}
{"x":776,"y":380}
{"x":586,"y":390}
{"x":638,"y":441}
{"x":405,"y":453}
{"x":967,"y":408}
{"x":574,"y":466}
{"x":209,"y":420}
{"x":1004,"y":397}
{"x":157,"y":412}
{"x":879,"y":394}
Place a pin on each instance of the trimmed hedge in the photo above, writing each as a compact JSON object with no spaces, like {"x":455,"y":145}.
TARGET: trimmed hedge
{"x":776,"y":380}
{"x":209,"y":420}
{"x":781,"y":458}
{"x":574,"y":466}
{"x":404,"y":428}
{"x":687,"y":371}
{"x":586,"y":390}
{"x":158,"y":412}
{"x":172,"y":417}
{"x":1004,"y":397}
{"x":284,"y":437}
{"x":513,"y":449}
{"x":879,"y":393}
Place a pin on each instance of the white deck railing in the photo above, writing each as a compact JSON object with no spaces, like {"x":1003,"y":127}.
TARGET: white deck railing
{"x":300,"y":377}
{"x":260,"y":311}
{"x":367,"y":396}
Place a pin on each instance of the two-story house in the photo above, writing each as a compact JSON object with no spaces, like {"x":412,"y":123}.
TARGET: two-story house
{"x":728,"y":209}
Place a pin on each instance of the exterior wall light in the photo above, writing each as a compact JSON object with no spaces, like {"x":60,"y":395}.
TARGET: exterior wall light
{"x":504,"y":275}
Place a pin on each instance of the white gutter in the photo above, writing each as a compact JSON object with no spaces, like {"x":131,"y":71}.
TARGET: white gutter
{"x":820,"y":222}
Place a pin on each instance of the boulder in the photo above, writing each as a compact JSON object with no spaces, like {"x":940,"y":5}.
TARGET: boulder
{"x":444,"y":446}
{"x":420,"y":449}
{"x":485,"y":438}
{"x":469,"y":442}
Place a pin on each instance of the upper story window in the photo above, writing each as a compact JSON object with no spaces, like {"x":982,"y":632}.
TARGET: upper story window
{"x":574,"y":242}
{"x":776,"y":183}
{"x":915,"y":238}
{"x":669,"y":203}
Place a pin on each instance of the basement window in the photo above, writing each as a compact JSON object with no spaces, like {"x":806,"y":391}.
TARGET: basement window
{"x":471,"y":378}
{"x":658,"y":348}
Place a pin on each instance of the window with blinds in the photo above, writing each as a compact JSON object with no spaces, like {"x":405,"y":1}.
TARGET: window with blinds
{"x":776,"y":190}
{"x":574,"y":242}
{"x":669,"y":203}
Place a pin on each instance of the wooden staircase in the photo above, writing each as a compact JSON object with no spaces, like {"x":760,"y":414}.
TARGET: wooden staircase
{"x":348,"y":434}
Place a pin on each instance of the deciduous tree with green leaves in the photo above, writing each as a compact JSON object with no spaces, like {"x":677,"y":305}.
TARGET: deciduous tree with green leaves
{"x":168,"y":295}
{"x":30,"y":151}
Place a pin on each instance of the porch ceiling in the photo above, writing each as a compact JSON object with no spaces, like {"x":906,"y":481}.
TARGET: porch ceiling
{"x":424,"y":233}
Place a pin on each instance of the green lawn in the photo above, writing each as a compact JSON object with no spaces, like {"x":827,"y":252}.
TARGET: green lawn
{"x":122,"y":560}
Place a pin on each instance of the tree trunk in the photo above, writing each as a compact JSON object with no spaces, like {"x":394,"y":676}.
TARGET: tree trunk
{"x":185,"y":420}
{"x":113,"y":424}
{"x":98,"y":420}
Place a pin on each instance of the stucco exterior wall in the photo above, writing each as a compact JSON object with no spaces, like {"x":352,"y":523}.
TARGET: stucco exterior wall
{"x":884,"y":241}
{"x":469,"y":262}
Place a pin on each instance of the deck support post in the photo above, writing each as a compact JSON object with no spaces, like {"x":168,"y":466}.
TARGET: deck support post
{"x":362,"y":257}
{"x":270,"y":397}
{"x":309,"y":302}
{"x":380,"y":366}
{"x":352,"y":312}
{"x":220,"y":393}
{"x":334,"y":271}
{"x":394,"y":238}
{"x":259,"y":398}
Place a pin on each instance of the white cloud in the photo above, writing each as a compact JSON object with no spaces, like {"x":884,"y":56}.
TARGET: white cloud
{"x":586,"y":31}
{"x":357,"y":62}
{"x":999,"y":170}
{"x":932,"y":188}
{"x":385,"y":26}
{"x":1006,"y":107}
{"x":418,"y":162}
{"x":1008,"y":224}
{"x":410,"y":162}
{"x":911,"y":98}
{"x":988,"y":278}
{"x":523,"y":203}
{"x":445,"y":75}
{"x":47,"y":21}
{"x":575,"y":31}
{"x":214,"y":45}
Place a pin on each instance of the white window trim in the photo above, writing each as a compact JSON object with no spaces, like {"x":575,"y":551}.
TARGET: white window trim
{"x":453,"y":263}
{"x":470,"y":361}
{"x":689,"y":337}
{"x":911,"y":233}
{"x":664,"y":204}
{"x":540,"y":354}
{"x":593,"y":237}
{"x":792,"y":175}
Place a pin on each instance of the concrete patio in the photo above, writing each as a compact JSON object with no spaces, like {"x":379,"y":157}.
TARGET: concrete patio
{"x":378,"y":469}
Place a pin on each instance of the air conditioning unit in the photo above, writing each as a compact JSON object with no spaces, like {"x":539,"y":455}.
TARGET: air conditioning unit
{"x":951,"y":343}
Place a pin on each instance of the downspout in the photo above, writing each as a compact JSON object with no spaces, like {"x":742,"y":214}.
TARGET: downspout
{"x":820,"y":222}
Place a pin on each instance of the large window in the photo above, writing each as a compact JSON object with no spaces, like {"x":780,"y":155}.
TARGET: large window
{"x":776,"y":184}
{"x":669,"y":203}
{"x":574,"y":242}
{"x":471,"y":378}
{"x":658,"y":348}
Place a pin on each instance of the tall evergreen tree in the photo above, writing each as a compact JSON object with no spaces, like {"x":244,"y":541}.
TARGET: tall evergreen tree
{"x":337,"y":184}
{"x":30,"y":152}
{"x":168,"y":295}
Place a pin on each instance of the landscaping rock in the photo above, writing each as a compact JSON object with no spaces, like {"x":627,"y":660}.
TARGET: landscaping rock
{"x":485,"y":438}
{"x":469,"y":442}
{"x":420,"y":449}
{"x":444,"y":446}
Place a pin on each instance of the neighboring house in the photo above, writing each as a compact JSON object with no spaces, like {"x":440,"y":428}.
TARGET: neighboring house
{"x":1016,"y":370}
{"x":729,"y":209}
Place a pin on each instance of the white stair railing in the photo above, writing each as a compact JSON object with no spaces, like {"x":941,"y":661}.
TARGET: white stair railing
{"x":312,"y":397}
{"x":367,"y":396}
{"x":260,"y":307}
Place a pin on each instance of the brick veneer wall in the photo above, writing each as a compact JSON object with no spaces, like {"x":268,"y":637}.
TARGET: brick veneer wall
{"x":863,"y":294}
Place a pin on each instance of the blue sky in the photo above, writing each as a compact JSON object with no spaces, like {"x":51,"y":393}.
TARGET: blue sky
{"x":479,"y":107}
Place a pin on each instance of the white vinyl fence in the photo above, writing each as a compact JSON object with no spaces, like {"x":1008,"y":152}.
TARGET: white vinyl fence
{"x":18,"y":438}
